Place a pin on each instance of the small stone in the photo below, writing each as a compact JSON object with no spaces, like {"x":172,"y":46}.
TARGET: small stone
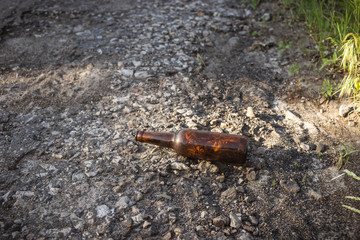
{"x":351,"y":124}
{"x":290,"y":186}
{"x":199,"y":228}
{"x":179,"y":166}
{"x":204,"y":214}
{"x":127,"y":72}
{"x":244,"y":236}
{"x":139,"y":218}
{"x":250,"y":112}
{"x":304,"y":147}
{"x":137,"y":63}
{"x":240,"y":181}
{"x":266,"y":17}
{"x":344,"y":110}
{"x":167,"y":236}
{"x":240,"y":189}
{"x":123,"y":203}
{"x":235,"y":220}
{"x":221,"y":221}
{"x":320,"y":148}
{"x":146,"y":224}
{"x":220,"y":178}
{"x":205,"y":33}
{"x":258,"y":163}
{"x":178,"y":231}
{"x":229,"y":194}
{"x":142,"y":74}
{"x":253,"y":220}
{"x":138,"y":196}
{"x":102,"y":211}
{"x":206,"y":166}
{"x":251,"y":176}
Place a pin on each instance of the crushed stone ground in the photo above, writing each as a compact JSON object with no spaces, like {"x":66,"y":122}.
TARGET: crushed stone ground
{"x":79,"y":78}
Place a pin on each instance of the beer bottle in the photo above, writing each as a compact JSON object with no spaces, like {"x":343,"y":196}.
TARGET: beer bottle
{"x":200,"y":144}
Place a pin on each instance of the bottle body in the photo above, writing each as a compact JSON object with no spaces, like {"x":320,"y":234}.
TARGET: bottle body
{"x":201,"y":144}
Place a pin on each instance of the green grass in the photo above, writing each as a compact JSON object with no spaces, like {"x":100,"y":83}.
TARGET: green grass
{"x":335,"y":26}
{"x":344,"y":154}
{"x":328,"y":90}
{"x":353,"y":175}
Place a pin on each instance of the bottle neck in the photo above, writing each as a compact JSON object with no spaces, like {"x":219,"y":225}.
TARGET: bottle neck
{"x":159,"y":139}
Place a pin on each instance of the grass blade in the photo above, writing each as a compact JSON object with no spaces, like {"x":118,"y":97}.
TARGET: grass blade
{"x":352,"y":209}
{"x":353,"y":198}
{"x":351,"y":174}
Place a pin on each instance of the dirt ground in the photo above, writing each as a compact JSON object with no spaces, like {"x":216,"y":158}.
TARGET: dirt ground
{"x":79,"y":78}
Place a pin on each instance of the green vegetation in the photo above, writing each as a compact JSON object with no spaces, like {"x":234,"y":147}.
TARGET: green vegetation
{"x":253,"y":3}
{"x":351,"y":174}
{"x":327,"y":90}
{"x":294,"y":68}
{"x":283,"y":45}
{"x":344,"y":155}
{"x":335,"y":26}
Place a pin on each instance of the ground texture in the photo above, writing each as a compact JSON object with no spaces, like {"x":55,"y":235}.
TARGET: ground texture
{"x":79,"y":78}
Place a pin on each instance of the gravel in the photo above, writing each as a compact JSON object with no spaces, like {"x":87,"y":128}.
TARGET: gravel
{"x":81,"y":78}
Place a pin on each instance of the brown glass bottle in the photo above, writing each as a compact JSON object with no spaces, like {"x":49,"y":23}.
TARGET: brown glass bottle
{"x":200,"y":144}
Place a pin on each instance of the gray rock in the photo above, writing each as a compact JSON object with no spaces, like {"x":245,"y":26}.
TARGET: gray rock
{"x":221,"y":221}
{"x":266,"y":17}
{"x":304,"y":147}
{"x":124,"y":202}
{"x":4,"y":116}
{"x":290,"y":186}
{"x":206,"y":166}
{"x":20,"y":145}
{"x":253,"y":220}
{"x":127,"y":72}
{"x":244,"y":236}
{"x":320,"y":148}
{"x":142,"y":74}
{"x":138,"y":196}
{"x":251,"y":176}
{"x":344,"y":110}
{"x":235,"y":220}
{"x":179,"y":166}
{"x":102,"y":211}
{"x":229,"y":194}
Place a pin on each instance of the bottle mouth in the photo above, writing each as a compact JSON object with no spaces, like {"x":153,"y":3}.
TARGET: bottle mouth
{"x":139,"y":135}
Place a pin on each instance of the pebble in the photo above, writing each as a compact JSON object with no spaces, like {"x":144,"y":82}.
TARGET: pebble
{"x":344,"y":110}
{"x":204,"y":214}
{"x":266,"y":17}
{"x":304,"y":147}
{"x":250,"y":113}
{"x":221,"y":221}
{"x":138,"y":196}
{"x":253,"y":220}
{"x":235,"y":220}
{"x":127,"y":72}
{"x":124,"y":202}
{"x":102,"y":211}
{"x":206,"y":166}
{"x":142,"y":74}
{"x":179,"y":166}
{"x":290,"y":186}
{"x":229,"y":194}
{"x":320,"y":148}
{"x":251,"y":176}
